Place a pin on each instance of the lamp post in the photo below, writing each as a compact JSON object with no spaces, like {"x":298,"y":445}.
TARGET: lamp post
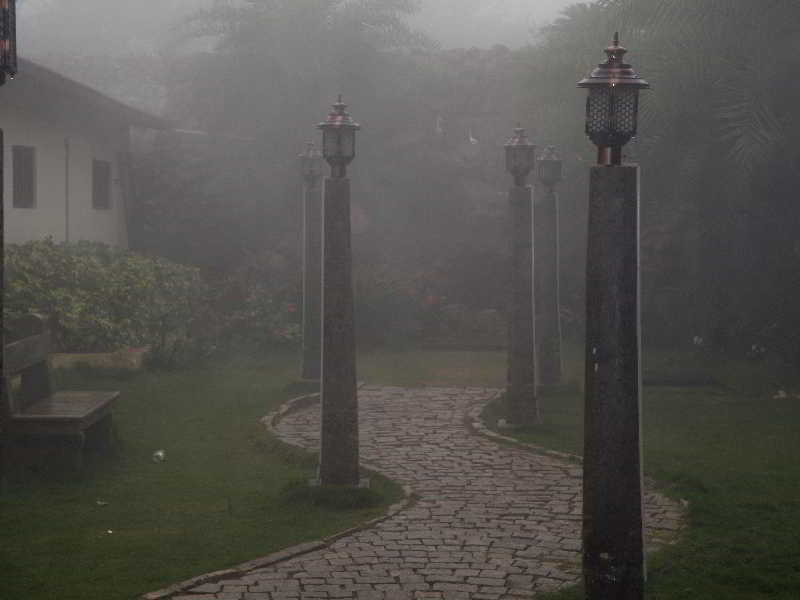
{"x":8,"y":40}
{"x":311,"y":167}
{"x":339,"y":435}
{"x":8,"y":68}
{"x":545,"y":270}
{"x":521,"y":389}
{"x":613,"y":555}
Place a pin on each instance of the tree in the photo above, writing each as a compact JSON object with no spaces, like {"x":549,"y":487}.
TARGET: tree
{"x":715,"y":147}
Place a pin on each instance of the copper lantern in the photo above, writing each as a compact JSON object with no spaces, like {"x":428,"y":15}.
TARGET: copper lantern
{"x":520,"y":156}
{"x":612,"y":106}
{"x":8,"y":40}
{"x":339,"y":139}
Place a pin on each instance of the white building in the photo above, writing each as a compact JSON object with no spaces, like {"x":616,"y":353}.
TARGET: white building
{"x":65,"y":159}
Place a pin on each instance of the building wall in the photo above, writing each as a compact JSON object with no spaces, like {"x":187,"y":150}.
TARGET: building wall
{"x":63,"y":207}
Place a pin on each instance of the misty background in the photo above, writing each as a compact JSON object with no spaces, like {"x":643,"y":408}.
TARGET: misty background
{"x":439,"y":86}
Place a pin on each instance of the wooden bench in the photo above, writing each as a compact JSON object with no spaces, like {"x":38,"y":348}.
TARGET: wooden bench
{"x":31,"y":411}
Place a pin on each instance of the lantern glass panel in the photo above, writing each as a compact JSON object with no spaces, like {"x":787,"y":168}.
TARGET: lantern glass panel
{"x":348,"y":142}
{"x":598,"y":111}
{"x":330,"y":143}
{"x":625,"y":104}
{"x":520,"y":159}
{"x":549,"y":171}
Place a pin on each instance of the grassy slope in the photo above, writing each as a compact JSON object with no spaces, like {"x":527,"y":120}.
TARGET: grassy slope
{"x":213,"y":502}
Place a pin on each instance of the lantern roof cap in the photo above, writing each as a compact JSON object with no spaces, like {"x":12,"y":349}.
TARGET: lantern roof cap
{"x":614,"y":72}
{"x":339,"y":117}
{"x":520,"y":138}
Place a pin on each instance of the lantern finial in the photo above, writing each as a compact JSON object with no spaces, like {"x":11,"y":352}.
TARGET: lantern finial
{"x":616,"y":54}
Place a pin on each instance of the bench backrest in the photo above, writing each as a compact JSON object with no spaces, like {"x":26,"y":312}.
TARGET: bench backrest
{"x":26,"y":356}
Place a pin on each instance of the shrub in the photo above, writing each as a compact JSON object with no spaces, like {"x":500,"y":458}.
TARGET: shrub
{"x":98,"y":298}
{"x":388,"y":307}
{"x":254,"y":306}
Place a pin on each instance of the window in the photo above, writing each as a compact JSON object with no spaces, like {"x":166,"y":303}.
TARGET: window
{"x":101,"y":184}
{"x":24,"y":176}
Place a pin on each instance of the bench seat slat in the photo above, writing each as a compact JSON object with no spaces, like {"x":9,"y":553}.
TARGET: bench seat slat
{"x":67,"y":406}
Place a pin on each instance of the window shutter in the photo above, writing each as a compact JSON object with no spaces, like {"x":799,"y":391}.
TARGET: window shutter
{"x":101,"y":184}
{"x":24,"y":176}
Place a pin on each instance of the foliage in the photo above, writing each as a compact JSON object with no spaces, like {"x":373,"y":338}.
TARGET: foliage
{"x":719,"y":217}
{"x":97,"y":298}
{"x":388,"y":306}
{"x":254,"y":306}
{"x":267,"y":76}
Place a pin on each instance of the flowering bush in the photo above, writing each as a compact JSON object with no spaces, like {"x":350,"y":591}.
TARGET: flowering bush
{"x":98,"y":298}
{"x":254,"y":306}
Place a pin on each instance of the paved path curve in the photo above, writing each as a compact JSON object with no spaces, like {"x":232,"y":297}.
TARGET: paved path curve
{"x":492,"y":522}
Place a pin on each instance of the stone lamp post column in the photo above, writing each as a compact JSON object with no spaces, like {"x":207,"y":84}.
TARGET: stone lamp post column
{"x":545,"y":270}
{"x":613,"y":553}
{"x":8,"y":68}
{"x":311,"y":166}
{"x":521,"y":401}
{"x":338,"y":464}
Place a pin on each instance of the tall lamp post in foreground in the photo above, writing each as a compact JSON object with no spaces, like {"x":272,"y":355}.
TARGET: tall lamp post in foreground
{"x":8,"y":68}
{"x":545,"y":270}
{"x":613,"y":555}
{"x":521,"y":389}
{"x":339,"y":436}
{"x":311,"y":167}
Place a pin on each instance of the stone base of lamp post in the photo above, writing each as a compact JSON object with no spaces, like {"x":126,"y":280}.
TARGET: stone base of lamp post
{"x":613,"y":557}
{"x":545,"y":271}
{"x":521,"y":404}
{"x":312,"y":279}
{"x":339,"y":434}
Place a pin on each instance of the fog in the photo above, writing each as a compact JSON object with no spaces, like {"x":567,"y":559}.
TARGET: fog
{"x":486,"y":268}
{"x":49,"y":27}
{"x":483,"y":23}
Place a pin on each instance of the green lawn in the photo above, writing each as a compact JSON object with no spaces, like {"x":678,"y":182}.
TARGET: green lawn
{"x":132,"y":525}
{"x":412,"y":368}
{"x":216,"y":500}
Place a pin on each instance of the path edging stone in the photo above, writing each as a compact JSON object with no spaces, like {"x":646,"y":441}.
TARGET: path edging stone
{"x":240,"y":570}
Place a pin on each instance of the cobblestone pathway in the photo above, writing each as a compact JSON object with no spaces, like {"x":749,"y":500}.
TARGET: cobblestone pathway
{"x":492,"y":522}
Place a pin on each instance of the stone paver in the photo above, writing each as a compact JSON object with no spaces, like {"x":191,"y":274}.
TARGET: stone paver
{"x":492,"y":522}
